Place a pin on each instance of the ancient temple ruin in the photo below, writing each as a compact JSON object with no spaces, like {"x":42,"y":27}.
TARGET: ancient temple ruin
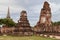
{"x":23,"y":24}
{"x":43,"y":26}
{"x":44,"y":23}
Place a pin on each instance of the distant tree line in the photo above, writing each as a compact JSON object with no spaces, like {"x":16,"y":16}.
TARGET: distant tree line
{"x":8,"y":22}
{"x":56,"y":23}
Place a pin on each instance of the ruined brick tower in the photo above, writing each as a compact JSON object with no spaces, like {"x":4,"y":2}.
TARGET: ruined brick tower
{"x":23,"y":21}
{"x":45,"y":15}
{"x":44,"y":22}
{"x":23,"y":24}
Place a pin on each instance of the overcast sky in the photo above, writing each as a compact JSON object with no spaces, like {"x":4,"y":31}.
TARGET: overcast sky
{"x":32,"y":7}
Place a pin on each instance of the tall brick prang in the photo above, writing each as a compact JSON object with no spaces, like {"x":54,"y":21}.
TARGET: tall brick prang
{"x":44,"y":22}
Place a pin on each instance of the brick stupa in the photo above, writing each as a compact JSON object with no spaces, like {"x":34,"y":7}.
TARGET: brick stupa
{"x":23,"y":24}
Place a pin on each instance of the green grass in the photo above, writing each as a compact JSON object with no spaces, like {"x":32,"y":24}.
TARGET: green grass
{"x":24,"y":38}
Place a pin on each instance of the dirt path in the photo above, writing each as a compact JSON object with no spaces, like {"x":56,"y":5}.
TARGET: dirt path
{"x":57,"y":37}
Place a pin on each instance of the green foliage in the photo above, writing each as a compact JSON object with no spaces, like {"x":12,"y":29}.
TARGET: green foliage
{"x":56,"y":23}
{"x":8,"y":22}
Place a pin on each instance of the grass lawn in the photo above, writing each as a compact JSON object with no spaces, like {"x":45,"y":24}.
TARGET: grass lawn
{"x":24,"y":38}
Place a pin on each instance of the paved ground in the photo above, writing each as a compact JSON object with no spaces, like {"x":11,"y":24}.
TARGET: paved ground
{"x":57,"y":37}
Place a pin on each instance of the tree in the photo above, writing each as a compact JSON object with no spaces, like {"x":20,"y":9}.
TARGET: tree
{"x":8,"y":22}
{"x":56,"y":23}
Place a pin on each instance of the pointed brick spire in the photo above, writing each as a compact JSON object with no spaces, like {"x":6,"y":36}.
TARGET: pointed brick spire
{"x":8,"y":13}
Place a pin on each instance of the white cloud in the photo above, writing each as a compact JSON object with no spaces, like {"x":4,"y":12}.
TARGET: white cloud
{"x":26,"y":1}
{"x":54,"y":7}
{"x":3,"y":6}
{"x":4,"y":1}
{"x":16,"y":9}
{"x":13,"y":8}
{"x":36,"y":8}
